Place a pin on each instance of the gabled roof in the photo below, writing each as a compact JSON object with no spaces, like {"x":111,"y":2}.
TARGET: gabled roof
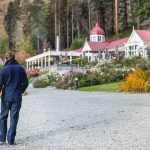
{"x":97,"y":30}
{"x":79,"y":50}
{"x":118,"y":43}
{"x":98,"y":46}
{"x":144,"y":35}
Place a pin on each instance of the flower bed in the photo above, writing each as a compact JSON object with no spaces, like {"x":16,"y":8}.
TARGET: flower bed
{"x":33,"y":73}
{"x":48,"y":79}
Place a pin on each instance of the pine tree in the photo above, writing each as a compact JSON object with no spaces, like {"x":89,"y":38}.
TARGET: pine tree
{"x":10,"y":22}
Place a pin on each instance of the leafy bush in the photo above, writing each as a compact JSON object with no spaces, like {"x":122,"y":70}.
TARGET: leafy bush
{"x":68,"y":80}
{"x":139,"y":81}
{"x":42,"y":72}
{"x":50,"y":78}
{"x":39,"y":83}
{"x":76,"y":43}
{"x":81,"y":61}
{"x":3,"y":45}
{"x":62,"y":85}
{"x":135,"y":62}
{"x":86,"y":79}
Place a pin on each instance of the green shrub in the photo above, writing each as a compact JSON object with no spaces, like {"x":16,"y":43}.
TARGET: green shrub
{"x":42,"y":72}
{"x":59,"y":84}
{"x":3,"y":45}
{"x":62,"y":85}
{"x":50,"y":78}
{"x":76,"y":43}
{"x":84,"y":83}
{"x":39,"y":83}
{"x":81,"y":61}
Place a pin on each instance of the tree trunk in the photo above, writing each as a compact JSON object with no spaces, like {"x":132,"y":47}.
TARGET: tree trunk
{"x":116,"y":17}
{"x":56,"y":33}
{"x":59,"y":25}
{"x":132,"y":13}
{"x":67,"y":24}
{"x":72,"y":34}
{"x":78,"y":25}
{"x":89,"y":10}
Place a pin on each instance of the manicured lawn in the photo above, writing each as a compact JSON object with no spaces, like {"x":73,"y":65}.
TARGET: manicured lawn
{"x":103,"y":87}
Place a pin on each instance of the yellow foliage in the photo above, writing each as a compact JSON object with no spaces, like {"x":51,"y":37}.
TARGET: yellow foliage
{"x":138,"y":81}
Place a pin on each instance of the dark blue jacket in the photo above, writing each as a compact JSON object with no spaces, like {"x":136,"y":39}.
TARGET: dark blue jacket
{"x":13,"y":81}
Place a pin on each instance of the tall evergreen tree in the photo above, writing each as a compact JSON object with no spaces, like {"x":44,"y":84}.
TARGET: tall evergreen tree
{"x":10,"y":22}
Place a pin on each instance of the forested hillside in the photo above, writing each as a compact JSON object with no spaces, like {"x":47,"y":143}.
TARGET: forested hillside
{"x":38,"y":22}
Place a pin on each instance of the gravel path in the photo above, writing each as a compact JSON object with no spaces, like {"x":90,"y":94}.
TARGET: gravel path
{"x":53,"y":119}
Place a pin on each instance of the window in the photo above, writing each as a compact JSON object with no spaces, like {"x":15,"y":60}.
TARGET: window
{"x":99,"y":38}
{"x":103,"y":38}
{"x":136,"y":46}
{"x":130,"y":47}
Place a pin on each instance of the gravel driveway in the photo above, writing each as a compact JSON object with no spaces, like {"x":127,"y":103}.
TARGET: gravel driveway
{"x":53,"y":119}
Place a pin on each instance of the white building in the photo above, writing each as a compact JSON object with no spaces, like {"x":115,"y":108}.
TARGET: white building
{"x":98,"y":48}
{"x":137,"y":43}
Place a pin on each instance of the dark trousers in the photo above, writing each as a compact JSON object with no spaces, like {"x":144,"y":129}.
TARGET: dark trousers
{"x":13,"y":107}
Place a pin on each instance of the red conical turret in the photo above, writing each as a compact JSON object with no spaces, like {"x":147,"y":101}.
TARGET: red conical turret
{"x":97,"y":30}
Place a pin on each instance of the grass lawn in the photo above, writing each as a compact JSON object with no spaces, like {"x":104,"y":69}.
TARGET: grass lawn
{"x":104,"y":87}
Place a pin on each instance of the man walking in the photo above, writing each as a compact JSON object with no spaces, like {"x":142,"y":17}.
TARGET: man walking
{"x":13,"y":82}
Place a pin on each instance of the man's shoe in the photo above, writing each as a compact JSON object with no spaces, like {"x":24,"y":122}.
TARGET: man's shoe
{"x":2,"y":143}
{"x":10,"y":143}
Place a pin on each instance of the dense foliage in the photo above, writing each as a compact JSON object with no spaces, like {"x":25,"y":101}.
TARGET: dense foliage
{"x":43,"y":20}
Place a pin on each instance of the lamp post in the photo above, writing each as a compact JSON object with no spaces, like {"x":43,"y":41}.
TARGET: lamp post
{"x":116,"y":53}
{"x":99,"y":54}
{"x":106,"y":53}
{"x":77,"y":82}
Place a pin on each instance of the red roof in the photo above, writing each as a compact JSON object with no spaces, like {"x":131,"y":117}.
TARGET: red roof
{"x":97,"y":30}
{"x":98,"y":46}
{"x":118,"y":43}
{"x":144,"y":35}
{"x":78,"y":50}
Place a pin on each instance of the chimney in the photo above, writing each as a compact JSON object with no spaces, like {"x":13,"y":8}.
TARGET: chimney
{"x":57,"y":44}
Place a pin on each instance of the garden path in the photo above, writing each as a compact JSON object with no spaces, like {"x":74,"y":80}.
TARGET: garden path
{"x":54,"y":119}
